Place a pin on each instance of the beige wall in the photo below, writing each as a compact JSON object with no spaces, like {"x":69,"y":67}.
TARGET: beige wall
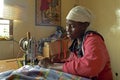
{"x":6,"y":48}
{"x":107,"y":22}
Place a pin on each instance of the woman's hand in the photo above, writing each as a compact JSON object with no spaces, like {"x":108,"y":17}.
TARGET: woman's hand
{"x":45,"y":62}
{"x":56,"y":66}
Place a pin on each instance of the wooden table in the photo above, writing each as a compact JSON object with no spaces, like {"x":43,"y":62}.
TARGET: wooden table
{"x":9,"y":64}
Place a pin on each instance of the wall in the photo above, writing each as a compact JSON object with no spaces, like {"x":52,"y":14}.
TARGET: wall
{"x":6,"y":49}
{"x":107,"y":22}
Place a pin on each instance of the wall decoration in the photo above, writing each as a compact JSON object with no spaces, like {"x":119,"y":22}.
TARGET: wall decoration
{"x":48,"y":12}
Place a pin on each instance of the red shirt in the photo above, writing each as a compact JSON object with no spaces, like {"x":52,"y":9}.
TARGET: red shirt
{"x":95,"y":61}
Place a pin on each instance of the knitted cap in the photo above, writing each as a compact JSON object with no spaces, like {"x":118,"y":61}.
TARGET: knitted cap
{"x":79,"y":14}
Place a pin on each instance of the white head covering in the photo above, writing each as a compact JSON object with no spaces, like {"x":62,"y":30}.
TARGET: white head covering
{"x":79,"y":14}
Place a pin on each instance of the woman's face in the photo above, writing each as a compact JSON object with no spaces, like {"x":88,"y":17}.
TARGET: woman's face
{"x":75,"y":29}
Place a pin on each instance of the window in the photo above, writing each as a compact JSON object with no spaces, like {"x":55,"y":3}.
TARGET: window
{"x":6,"y":29}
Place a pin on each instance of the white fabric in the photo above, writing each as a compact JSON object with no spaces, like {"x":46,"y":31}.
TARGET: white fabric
{"x":79,"y":14}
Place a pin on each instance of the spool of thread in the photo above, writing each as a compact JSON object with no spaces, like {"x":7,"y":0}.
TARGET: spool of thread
{"x":28,"y":35}
{"x":46,"y":50}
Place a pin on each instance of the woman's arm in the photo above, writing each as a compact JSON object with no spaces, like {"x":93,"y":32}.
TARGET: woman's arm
{"x":56,"y":66}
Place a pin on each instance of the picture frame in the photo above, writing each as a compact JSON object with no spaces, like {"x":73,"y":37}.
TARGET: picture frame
{"x":47,"y":12}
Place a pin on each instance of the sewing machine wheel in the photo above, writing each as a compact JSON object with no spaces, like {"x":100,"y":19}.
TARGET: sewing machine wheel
{"x":23,"y":44}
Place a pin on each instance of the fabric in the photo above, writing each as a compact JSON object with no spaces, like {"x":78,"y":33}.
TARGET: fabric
{"x":95,"y":61}
{"x":28,"y":72}
{"x":79,"y":14}
{"x":59,"y":50}
{"x":76,"y":48}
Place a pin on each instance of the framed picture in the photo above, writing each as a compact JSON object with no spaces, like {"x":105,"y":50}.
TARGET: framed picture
{"x":48,"y":12}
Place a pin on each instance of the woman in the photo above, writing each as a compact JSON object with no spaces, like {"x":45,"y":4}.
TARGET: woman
{"x":89,"y":56}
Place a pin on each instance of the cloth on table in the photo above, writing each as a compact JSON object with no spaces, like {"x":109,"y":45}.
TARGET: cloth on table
{"x":28,"y":72}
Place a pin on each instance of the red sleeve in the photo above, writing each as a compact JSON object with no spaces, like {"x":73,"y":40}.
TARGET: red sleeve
{"x":92,"y":62}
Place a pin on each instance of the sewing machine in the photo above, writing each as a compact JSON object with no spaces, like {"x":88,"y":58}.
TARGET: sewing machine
{"x":29,"y":46}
